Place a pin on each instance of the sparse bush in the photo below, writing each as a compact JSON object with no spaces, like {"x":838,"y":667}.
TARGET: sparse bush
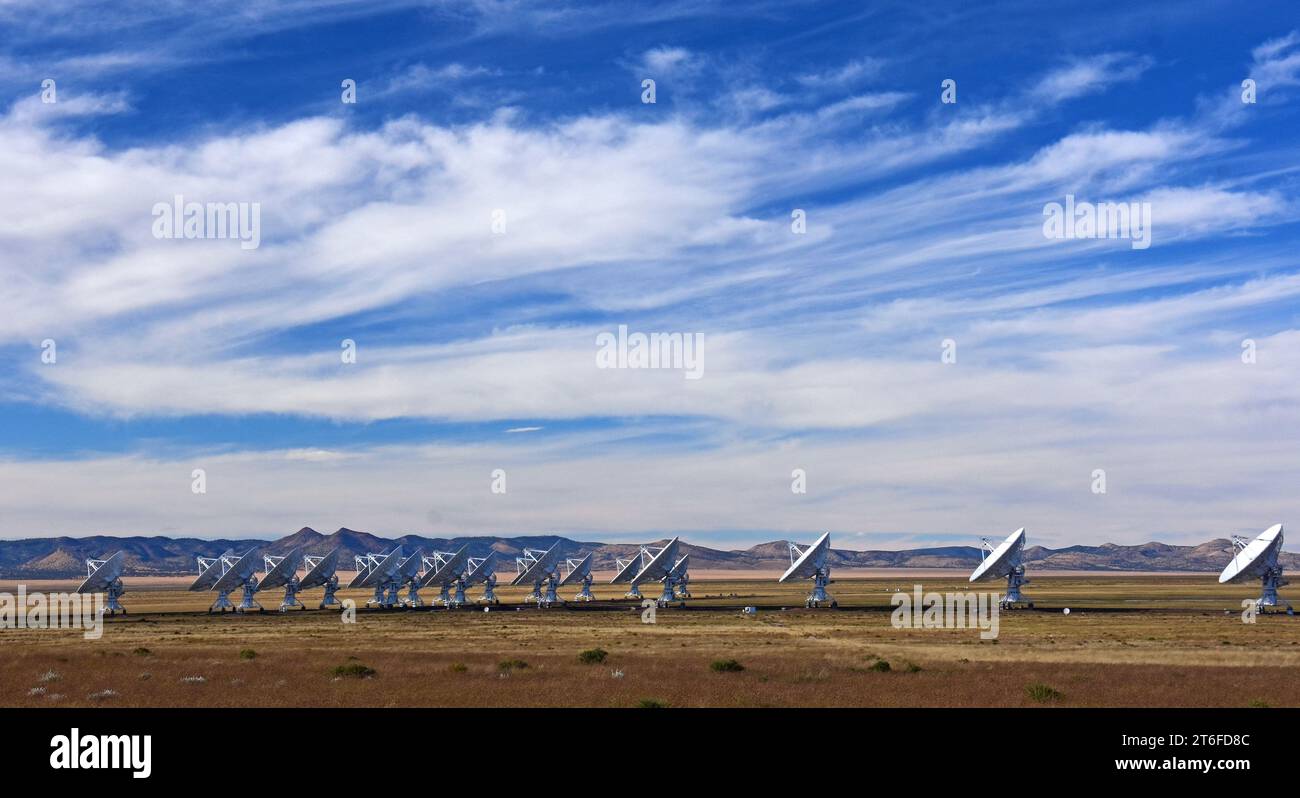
{"x":142,"y":652}
{"x":459,"y":667}
{"x":353,"y":670}
{"x":593,"y":656}
{"x":1258,"y":704}
{"x":880,"y":666}
{"x":651,"y":703}
{"x":912,"y":667}
{"x":102,"y":694}
{"x":1042,"y":693}
{"x":726,"y":666}
{"x":51,"y":676}
{"x":512,"y":665}
{"x":247,"y":653}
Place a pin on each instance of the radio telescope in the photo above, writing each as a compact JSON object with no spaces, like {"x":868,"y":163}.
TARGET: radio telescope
{"x":283,"y":572}
{"x":659,"y":567}
{"x":536,"y":567}
{"x":240,"y":574}
{"x":627,"y":569}
{"x":408,"y":573}
{"x":382,"y":572}
{"x":681,"y":578}
{"x":445,"y":569}
{"x":812,"y":563}
{"x":105,"y":576}
{"x":579,"y":571}
{"x":1258,"y":559}
{"x":212,"y":568}
{"x":479,"y":570}
{"x":1005,"y":561}
{"x":322,"y":571}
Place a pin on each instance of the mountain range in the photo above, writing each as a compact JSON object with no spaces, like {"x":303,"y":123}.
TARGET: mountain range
{"x":63,"y":557}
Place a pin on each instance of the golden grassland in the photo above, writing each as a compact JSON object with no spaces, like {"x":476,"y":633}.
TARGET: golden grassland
{"x":1128,"y":641}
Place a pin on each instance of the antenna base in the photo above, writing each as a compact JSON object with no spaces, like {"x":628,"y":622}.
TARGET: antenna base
{"x":818,"y":596}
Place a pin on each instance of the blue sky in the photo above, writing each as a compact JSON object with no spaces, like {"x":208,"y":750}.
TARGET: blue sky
{"x":477,"y":348}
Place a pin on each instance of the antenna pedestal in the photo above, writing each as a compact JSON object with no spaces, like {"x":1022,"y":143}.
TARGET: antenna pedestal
{"x":489,"y":590}
{"x":413,"y":596}
{"x":585,"y":593}
{"x":458,"y":600}
{"x":248,"y":602}
{"x":633,"y":593}
{"x":1271,"y":581}
{"x":222,"y":603}
{"x":111,"y":604}
{"x":331,"y":587}
{"x":545,"y":596}
{"x":683,"y":592}
{"x":821,"y":579}
{"x":1014,"y":580}
{"x":291,"y":597}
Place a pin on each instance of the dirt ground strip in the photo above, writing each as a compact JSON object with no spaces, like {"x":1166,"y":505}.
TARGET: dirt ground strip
{"x":1128,"y":641}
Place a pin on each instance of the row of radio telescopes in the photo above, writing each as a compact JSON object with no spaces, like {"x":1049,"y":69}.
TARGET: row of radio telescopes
{"x":453,"y":573}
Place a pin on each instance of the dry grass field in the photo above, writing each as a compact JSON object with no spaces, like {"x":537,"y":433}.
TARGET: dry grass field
{"x":1130,"y":640}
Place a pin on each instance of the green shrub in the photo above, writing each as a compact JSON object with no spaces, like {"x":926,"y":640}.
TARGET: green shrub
{"x":353,"y":670}
{"x":512,"y":665}
{"x":593,"y":656}
{"x":1042,"y":693}
{"x":880,"y":666}
{"x":651,"y":703}
{"x":726,"y":666}
{"x":247,"y":653}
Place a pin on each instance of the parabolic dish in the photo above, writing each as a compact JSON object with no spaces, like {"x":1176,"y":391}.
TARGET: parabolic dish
{"x":579,"y":571}
{"x":813,"y":558}
{"x":240,"y":572}
{"x":681,"y":566}
{"x":628,"y":571}
{"x":485,"y":568}
{"x":99,"y":581}
{"x":1004,"y":558}
{"x":449,"y":571}
{"x":283,"y":571}
{"x":385,"y":570}
{"x":409,"y":570}
{"x":209,"y":577}
{"x":1256,"y":558}
{"x":541,"y":566}
{"x":660,"y":565}
{"x":321,"y":572}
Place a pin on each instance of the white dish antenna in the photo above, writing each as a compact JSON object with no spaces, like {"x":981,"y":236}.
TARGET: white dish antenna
{"x":1005,"y":561}
{"x":481,"y":569}
{"x":322,"y":572}
{"x":242,"y":573}
{"x":580,"y":572}
{"x":211,"y":569}
{"x":385,"y":576}
{"x":105,"y":576}
{"x":659,"y":567}
{"x":446,"y":570}
{"x":811,"y":563}
{"x":680,"y":577}
{"x":538,"y":567}
{"x":660,"y":564}
{"x":1258,"y":559}
{"x":283,"y":572}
